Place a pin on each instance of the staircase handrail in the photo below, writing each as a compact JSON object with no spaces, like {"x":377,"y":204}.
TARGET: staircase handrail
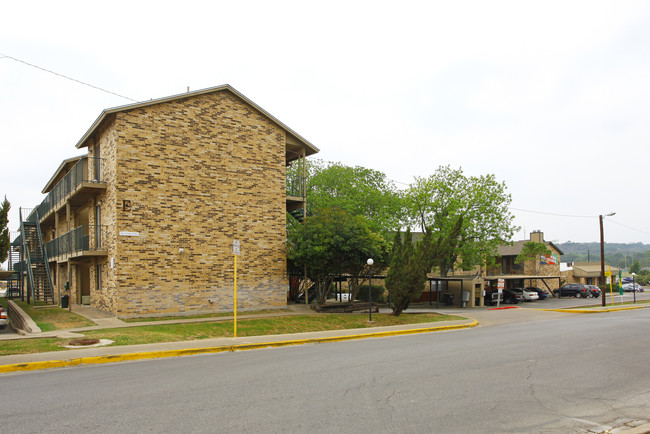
{"x":45,"y":259}
{"x":30,"y":275}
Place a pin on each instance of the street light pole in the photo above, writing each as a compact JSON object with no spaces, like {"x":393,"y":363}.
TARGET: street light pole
{"x":370,"y":262}
{"x":602,"y":254}
{"x":634,"y":286}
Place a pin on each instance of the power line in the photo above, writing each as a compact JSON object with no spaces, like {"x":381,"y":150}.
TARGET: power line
{"x":557,"y":215}
{"x":4,"y":56}
{"x":628,"y":227}
{"x":582,"y":216}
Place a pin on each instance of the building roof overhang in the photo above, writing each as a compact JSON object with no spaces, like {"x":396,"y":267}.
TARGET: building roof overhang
{"x":590,"y":269}
{"x":64,"y":168}
{"x":516,"y":247}
{"x":293,"y":138}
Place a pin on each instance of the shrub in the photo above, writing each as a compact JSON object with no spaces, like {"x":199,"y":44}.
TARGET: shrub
{"x":377,"y":293}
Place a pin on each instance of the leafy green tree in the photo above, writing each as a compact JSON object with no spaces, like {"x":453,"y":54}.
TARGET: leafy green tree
{"x":636,"y":267}
{"x":4,"y":230}
{"x":644,"y":277}
{"x":408,"y":270}
{"x":468,"y":216}
{"x":357,"y":190}
{"x":334,"y":242}
{"x":531,"y":250}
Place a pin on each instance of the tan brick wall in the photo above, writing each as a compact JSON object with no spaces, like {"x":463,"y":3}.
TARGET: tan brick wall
{"x":199,"y":173}
{"x":106,"y":298}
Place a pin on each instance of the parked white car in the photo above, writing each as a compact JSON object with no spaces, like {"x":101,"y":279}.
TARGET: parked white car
{"x":627,"y":287}
{"x":527,"y":294}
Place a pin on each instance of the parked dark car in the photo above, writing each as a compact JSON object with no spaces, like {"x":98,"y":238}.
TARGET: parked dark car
{"x":572,"y":290}
{"x":594,"y":291}
{"x":3,"y":318}
{"x":542,"y":293}
{"x":511,"y":297}
{"x":492,"y":298}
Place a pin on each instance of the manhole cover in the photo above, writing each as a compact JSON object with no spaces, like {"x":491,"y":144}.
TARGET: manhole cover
{"x":83,"y":342}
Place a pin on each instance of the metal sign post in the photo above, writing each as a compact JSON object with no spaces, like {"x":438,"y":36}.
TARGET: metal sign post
{"x":608,"y":276}
{"x":235,"y":252}
{"x":500,"y":287}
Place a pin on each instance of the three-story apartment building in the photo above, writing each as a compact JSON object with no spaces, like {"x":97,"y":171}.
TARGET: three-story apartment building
{"x":143,"y":224}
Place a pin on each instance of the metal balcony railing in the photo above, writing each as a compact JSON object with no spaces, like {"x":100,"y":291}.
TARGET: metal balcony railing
{"x":83,"y":238}
{"x":295,"y":187}
{"x":87,"y":169}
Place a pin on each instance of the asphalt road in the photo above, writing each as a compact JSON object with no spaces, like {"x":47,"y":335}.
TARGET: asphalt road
{"x":557,"y":373}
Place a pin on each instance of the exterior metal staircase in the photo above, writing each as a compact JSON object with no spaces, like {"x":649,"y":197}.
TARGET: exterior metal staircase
{"x":13,"y":283}
{"x":37,"y":266}
{"x":297,"y":214}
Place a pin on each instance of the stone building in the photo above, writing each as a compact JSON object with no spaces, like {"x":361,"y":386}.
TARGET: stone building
{"x":542,"y":272}
{"x":144,"y":223}
{"x":468,"y":288}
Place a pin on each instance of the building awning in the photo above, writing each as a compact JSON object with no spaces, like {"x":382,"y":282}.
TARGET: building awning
{"x":4,"y":275}
{"x":457,"y":278}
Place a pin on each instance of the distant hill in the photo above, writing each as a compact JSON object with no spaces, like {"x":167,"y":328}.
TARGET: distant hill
{"x":617,"y":254}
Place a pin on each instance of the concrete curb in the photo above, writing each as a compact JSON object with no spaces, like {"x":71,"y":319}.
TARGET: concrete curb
{"x":20,"y":321}
{"x":31,"y":366}
{"x":643,"y":429}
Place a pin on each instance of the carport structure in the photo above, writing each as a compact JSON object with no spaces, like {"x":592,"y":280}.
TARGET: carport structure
{"x":452,"y":287}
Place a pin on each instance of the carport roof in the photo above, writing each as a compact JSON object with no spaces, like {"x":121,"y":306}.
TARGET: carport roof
{"x":519,"y":277}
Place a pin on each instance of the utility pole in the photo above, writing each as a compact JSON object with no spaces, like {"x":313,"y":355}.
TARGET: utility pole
{"x":602,"y":254}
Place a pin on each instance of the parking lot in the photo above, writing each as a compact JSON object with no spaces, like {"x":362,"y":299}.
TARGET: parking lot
{"x":556,"y":303}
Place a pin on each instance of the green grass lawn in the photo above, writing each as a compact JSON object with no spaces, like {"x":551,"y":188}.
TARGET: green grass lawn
{"x":205,"y":330}
{"x":49,"y":317}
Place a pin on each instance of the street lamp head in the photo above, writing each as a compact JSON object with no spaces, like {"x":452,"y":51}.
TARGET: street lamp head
{"x":633,"y":274}
{"x":370,"y":261}
{"x":610,"y":214}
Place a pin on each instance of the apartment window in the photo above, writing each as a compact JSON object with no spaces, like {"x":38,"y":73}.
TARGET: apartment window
{"x":98,"y":163}
{"x":98,"y":278}
{"x":98,"y":224}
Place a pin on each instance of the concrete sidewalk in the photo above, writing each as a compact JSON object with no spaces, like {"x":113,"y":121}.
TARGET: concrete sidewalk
{"x":107,"y":354}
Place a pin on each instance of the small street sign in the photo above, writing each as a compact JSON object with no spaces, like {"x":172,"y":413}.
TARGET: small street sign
{"x":235,"y":247}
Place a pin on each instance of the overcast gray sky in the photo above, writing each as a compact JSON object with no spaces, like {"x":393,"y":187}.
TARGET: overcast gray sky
{"x":553,"y":97}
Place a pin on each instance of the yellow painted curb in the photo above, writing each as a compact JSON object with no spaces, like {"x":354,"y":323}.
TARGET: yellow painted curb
{"x":612,"y":309}
{"x":31,"y":366}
